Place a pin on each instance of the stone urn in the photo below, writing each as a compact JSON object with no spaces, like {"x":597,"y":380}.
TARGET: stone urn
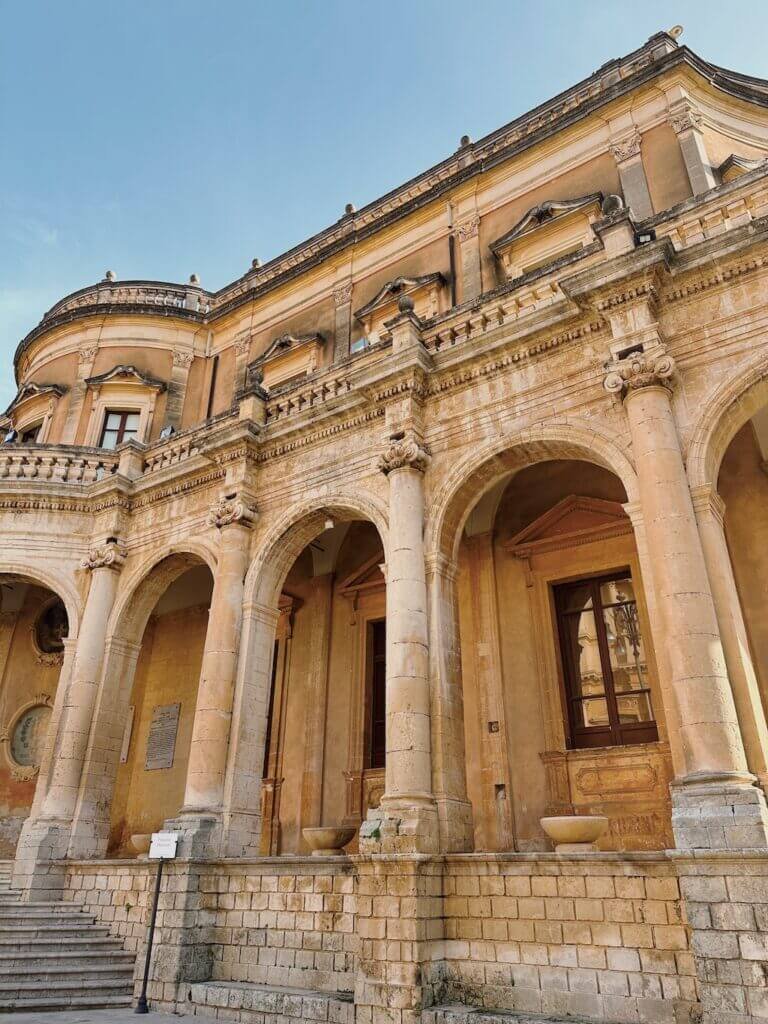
{"x":140,"y":843}
{"x":328,"y":840}
{"x":575,"y":833}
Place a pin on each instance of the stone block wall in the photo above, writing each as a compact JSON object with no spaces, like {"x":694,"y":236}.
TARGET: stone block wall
{"x":600,"y":937}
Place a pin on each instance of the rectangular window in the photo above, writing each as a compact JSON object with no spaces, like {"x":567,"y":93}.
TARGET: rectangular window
{"x":29,"y":434}
{"x":607,"y":688}
{"x":118,"y":427}
{"x":377,"y":682}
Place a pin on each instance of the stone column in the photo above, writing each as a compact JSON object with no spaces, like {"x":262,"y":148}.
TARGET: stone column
{"x":714,"y":802}
{"x":406,"y":821}
{"x":316,"y":703}
{"x":47,"y":836}
{"x":686,"y":124}
{"x":634,"y":184}
{"x":468,"y":237}
{"x":59,"y":701}
{"x":342,"y":301}
{"x":449,"y":776}
{"x":709,"y":509}
{"x":201,"y":817}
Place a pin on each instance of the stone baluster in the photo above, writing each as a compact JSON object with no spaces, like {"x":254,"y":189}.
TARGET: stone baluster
{"x":714,"y":802}
{"x":407,"y":818}
{"x":200,"y":819}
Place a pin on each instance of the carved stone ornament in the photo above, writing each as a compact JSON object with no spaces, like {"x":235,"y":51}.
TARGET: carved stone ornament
{"x":87,"y":353}
{"x":231,"y":510}
{"x":243,"y":345}
{"x":625,"y":149}
{"x":343,"y":294}
{"x":182,"y":357}
{"x":405,"y":451}
{"x":642,"y":369}
{"x":684,"y":118}
{"x":110,"y":555}
{"x":468,"y":229}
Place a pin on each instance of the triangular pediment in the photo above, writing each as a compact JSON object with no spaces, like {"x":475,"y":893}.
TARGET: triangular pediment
{"x":368,"y":576}
{"x":576,"y":519}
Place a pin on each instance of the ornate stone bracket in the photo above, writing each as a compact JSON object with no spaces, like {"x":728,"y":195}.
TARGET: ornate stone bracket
{"x":403,"y":451}
{"x":109,"y":555}
{"x":230,"y":510}
{"x":641,"y":368}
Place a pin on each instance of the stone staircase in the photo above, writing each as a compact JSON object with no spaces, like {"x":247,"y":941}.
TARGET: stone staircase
{"x":54,"y":957}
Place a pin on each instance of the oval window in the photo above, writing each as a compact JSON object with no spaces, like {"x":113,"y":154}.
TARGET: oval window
{"x":29,"y":736}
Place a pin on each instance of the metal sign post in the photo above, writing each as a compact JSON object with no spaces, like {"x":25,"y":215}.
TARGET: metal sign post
{"x":162,"y":848}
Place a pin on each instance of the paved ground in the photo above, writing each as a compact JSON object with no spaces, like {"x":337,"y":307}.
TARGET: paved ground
{"x":104,"y":1017}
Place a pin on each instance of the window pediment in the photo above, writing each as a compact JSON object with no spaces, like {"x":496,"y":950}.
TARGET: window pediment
{"x":548,"y":231}
{"x":287,"y":357}
{"x":574,"y":520}
{"x":425,"y":291}
{"x":734,"y":166}
{"x":32,"y":393}
{"x":125,"y":375}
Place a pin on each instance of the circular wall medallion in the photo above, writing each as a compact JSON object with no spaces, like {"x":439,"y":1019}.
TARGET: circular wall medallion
{"x":28,"y":735}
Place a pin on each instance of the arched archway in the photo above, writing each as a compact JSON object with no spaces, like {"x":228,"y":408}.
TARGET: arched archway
{"x":39,"y":619}
{"x":312,"y":593}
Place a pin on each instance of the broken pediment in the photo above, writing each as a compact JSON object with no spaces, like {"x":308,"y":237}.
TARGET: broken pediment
{"x":125,"y":375}
{"x":547,"y":232}
{"x":574,"y":520}
{"x":427,"y":293}
{"x":288,"y":357}
{"x":29,"y":391}
{"x":734,"y":166}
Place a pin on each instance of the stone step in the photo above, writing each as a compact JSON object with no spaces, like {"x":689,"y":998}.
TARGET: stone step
{"x":52,"y":1003}
{"x":64,"y":991}
{"x":457,"y":1013}
{"x":58,"y":957}
{"x":51,"y":944}
{"x":19,"y":912}
{"x":83,"y":974}
{"x":244,"y":1001}
{"x":40,"y":931}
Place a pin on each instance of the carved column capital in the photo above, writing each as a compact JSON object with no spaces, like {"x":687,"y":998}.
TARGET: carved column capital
{"x":232,"y":510}
{"x":626,"y":148}
{"x":182,"y":357}
{"x":106,"y":556}
{"x":403,"y":451}
{"x":342,"y":294}
{"x":653,"y":367}
{"x":684,"y":118}
{"x":468,"y":229}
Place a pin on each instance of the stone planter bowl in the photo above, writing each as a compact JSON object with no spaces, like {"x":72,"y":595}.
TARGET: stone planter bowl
{"x":328,"y":841}
{"x":575,"y":833}
{"x":140,"y":843}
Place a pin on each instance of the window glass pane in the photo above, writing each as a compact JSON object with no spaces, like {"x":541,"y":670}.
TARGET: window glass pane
{"x":635,"y":707}
{"x":112,"y":420}
{"x":131,"y":422}
{"x":612,"y":591}
{"x":581,"y":640}
{"x":592,"y":712}
{"x":625,"y":648}
{"x":577,"y":597}
{"x":109,"y":440}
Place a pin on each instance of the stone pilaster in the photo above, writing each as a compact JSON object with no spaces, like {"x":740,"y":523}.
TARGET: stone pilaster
{"x":709,"y":509}
{"x":47,"y":836}
{"x":634,"y":184}
{"x":685,"y":121}
{"x":469,"y":261}
{"x":406,"y":821}
{"x":85,"y":361}
{"x":201,"y":817}
{"x":714,"y":802}
{"x":342,"y":302}
{"x":177,"y":386}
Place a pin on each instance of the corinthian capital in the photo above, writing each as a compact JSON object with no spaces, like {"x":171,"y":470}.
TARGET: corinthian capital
{"x":626,"y":148}
{"x":684,"y":117}
{"x":403,"y":451}
{"x":642,"y":369}
{"x":110,"y":555}
{"x":231,"y":510}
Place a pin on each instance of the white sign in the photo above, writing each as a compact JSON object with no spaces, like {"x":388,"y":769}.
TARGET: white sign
{"x":163,"y":845}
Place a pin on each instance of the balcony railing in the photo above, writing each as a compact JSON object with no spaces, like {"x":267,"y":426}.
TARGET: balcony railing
{"x":55,"y":463}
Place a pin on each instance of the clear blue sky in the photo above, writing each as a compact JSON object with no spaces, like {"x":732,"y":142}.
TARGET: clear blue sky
{"x":162,"y":137}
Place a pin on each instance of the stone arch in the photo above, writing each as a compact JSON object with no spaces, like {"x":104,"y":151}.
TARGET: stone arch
{"x":143,"y":587}
{"x":723,"y":414}
{"x":63,"y":586}
{"x":286,"y":538}
{"x":486,"y":465}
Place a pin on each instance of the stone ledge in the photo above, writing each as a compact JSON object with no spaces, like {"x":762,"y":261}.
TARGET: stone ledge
{"x":244,"y":1002}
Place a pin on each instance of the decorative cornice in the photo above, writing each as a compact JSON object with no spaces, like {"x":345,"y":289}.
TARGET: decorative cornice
{"x":231,"y":510}
{"x":108,"y":556}
{"x":403,"y":452}
{"x":642,"y":369}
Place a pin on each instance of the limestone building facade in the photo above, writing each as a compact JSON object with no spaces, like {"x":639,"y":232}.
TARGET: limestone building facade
{"x":453,"y":517}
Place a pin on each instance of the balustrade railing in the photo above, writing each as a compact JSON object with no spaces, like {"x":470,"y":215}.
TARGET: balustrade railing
{"x":55,"y":463}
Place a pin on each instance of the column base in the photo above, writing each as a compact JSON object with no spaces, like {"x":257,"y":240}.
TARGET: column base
{"x":401,"y":825}
{"x":38,"y":869}
{"x":200,"y":834}
{"x":719,"y":811}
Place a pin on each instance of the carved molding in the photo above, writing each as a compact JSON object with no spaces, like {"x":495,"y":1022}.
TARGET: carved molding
{"x":405,"y":451}
{"x":643,"y":369}
{"x":231,"y":510}
{"x":469,"y":229}
{"x":626,"y":148}
{"x":108,"y":556}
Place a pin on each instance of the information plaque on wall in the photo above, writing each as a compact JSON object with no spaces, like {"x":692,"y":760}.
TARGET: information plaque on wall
{"x":161,"y":742}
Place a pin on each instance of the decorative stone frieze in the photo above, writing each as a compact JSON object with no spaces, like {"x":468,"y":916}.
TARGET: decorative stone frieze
{"x":643,"y":369}
{"x":231,"y":510}
{"x":110,"y":555}
{"x":405,"y":451}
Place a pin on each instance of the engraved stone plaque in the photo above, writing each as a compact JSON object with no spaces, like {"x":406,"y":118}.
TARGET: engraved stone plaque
{"x":161,"y":742}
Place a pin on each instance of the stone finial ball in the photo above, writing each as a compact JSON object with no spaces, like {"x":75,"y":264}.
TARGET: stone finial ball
{"x":194,"y":279}
{"x":109,"y":276}
{"x":349,"y":208}
{"x":465,"y":141}
{"x":255,"y":263}
{"x":612,"y":204}
{"x":405,"y":304}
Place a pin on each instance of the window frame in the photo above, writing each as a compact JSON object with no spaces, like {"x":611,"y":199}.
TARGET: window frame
{"x":615,"y":733}
{"x":370,"y":760}
{"x":121,"y":438}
